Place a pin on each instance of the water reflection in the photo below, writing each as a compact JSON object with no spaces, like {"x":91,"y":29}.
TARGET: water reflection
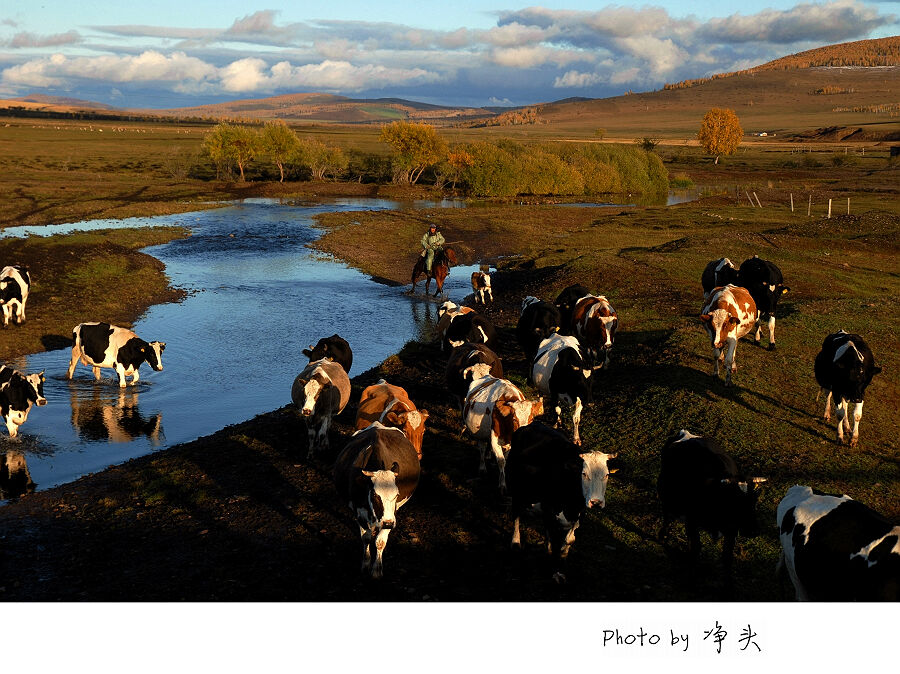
{"x":105,"y":415}
{"x":15,"y":480}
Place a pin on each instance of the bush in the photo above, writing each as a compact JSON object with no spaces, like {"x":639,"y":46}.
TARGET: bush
{"x":680,"y":182}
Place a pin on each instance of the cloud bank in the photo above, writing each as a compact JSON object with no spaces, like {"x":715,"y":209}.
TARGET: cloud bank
{"x":530,"y":55}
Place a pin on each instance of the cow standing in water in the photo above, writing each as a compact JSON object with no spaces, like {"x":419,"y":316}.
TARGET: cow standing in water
{"x":18,"y":392}
{"x":320,"y":393}
{"x":103,"y":345}
{"x":375,"y":474}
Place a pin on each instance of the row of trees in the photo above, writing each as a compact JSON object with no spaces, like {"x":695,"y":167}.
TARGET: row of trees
{"x":231,"y":145}
{"x":495,"y":168}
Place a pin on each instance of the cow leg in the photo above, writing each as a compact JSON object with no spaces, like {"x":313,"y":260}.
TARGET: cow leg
{"x":501,"y":462}
{"x":5,"y":315}
{"x":76,"y":354}
{"x":490,"y":294}
{"x":758,"y":328}
{"x":576,"y":419}
{"x":119,"y":371}
{"x":827,"y":403}
{"x":366,"y":538}
{"x":718,"y":354}
{"x":841,"y":409}
{"x":483,"y":449}
{"x":730,"y":361}
{"x":857,"y":415}
{"x":135,"y":377}
{"x":771,"y":332}
{"x":516,"y":538}
{"x":310,"y":438}
{"x":380,"y":545}
{"x":11,"y":425}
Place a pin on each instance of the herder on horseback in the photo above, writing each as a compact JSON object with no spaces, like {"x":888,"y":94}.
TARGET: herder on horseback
{"x":432,"y":241}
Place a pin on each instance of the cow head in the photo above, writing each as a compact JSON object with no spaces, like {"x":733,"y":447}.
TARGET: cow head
{"x":380,"y":509}
{"x":411,"y":423}
{"x":855,"y":369}
{"x":510,"y":415}
{"x":312,"y":389}
{"x":721,"y":325}
{"x":531,"y":299}
{"x":447,"y":307}
{"x":594,"y":475}
{"x":153,"y":355}
{"x":737,"y":502}
{"x":36,"y":382}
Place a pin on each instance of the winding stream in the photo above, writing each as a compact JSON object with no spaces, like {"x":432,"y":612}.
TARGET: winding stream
{"x":257,"y":297}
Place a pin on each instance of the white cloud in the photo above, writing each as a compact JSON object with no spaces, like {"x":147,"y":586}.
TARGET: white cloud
{"x":30,"y":40}
{"x":575,"y":79}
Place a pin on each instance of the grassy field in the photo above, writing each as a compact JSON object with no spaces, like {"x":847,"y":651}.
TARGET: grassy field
{"x":235,"y":515}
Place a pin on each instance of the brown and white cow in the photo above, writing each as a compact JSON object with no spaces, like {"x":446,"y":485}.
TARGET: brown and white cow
{"x":594,"y":323}
{"x":390,"y":405}
{"x":729,"y":314}
{"x":481,"y":286}
{"x":494,"y":409}
{"x":446,"y":313}
{"x":376,"y":473}
{"x":320,"y":392}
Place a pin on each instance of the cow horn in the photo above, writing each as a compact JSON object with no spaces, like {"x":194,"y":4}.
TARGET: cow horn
{"x":395,"y":468}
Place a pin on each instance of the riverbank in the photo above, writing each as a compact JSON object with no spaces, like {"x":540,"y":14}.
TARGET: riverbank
{"x":242,"y":515}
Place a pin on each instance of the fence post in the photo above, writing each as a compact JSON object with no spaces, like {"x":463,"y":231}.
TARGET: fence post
{"x":809,"y":208}
{"x":749,"y":199}
{"x":757,"y":200}
{"x":829,"y":208}
{"x":792,"y":202}
{"x":848,"y":205}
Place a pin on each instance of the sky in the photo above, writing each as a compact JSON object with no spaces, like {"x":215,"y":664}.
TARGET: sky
{"x":168,"y":54}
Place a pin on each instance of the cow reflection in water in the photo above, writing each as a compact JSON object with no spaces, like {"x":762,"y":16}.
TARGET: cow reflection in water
{"x":97,"y":417}
{"x":15,"y":480}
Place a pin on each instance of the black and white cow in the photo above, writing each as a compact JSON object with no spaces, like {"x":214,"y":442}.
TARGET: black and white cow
{"x":469,"y":362}
{"x":15,"y":478}
{"x":844,"y":368}
{"x":837,"y":549}
{"x":481,"y":287}
{"x":471,"y":327}
{"x":566,"y":302}
{"x":15,"y":283}
{"x":764,"y":282}
{"x":375,"y":474}
{"x":103,"y":345}
{"x":320,"y":393}
{"x":447,"y":313}
{"x":537,"y":322}
{"x":545,"y":467}
{"x":717,"y":273}
{"x":560,"y":372}
{"x":18,"y":392}
{"x":701,"y":483}
{"x":335,"y":347}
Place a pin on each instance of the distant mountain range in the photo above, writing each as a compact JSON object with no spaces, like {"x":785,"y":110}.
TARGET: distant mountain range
{"x":765,"y":91}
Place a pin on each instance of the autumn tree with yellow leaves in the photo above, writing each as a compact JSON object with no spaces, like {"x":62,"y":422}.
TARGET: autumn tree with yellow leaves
{"x":720,"y":132}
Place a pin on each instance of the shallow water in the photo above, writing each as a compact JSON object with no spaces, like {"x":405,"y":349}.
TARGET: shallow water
{"x":257,"y":297}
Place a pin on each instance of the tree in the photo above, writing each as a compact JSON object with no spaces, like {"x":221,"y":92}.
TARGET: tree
{"x":279,"y":143}
{"x":720,"y":132}
{"x":416,"y":147}
{"x":230,"y":143}
{"x":323,"y":160}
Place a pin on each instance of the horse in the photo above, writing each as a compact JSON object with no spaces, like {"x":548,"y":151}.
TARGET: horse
{"x":440,"y":268}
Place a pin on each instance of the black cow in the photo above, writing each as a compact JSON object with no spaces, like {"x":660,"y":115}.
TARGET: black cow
{"x":700,"y":482}
{"x":335,"y":347}
{"x":103,"y":345}
{"x":844,"y":368}
{"x":375,"y":474}
{"x":764,"y":282}
{"x":837,"y":549}
{"x":471,"y":327}
{"x":560,"y":372}
{"x":544,"y":467}
{"x":468,"y":362}
{"x":18,"y":392}
{"x":537,"y":322}
{"x":15,"y":283}
{"x":566,"y":302}
{"x":718,"y":273}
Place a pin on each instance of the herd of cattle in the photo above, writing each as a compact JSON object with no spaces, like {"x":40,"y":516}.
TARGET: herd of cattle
{"x":833,"y":548}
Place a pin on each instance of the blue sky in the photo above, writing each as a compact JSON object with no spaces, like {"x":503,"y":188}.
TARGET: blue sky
{"x":168,"y":54}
